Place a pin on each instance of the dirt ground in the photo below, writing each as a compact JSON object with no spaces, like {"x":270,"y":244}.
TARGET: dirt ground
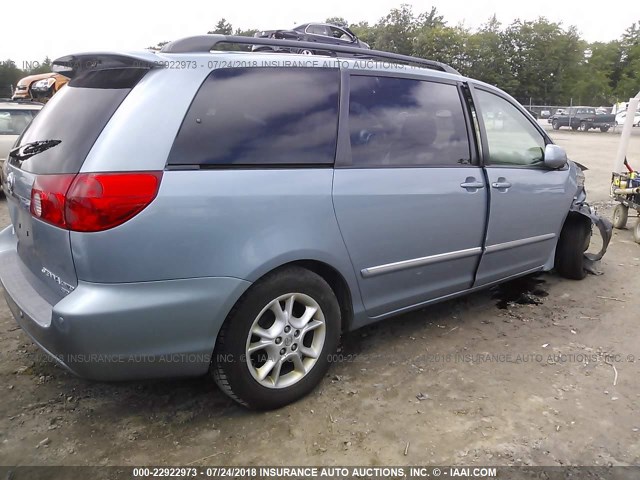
{"x":463,"y":382}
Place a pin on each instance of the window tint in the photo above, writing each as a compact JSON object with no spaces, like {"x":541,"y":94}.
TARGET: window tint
{"x":512,"y":139}
{"x":260,"y":116}
{"x":402,"y":122}
{"x":14,"y":122}
{"x":76,"y":116}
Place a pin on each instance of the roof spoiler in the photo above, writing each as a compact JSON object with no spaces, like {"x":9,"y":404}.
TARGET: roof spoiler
{"x":71,"y":65}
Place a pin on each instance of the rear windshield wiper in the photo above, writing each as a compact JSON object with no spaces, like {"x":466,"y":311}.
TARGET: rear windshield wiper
{"x":30,"y":149}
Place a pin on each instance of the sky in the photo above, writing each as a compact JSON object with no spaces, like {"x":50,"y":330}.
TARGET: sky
{"x":77,"y":26}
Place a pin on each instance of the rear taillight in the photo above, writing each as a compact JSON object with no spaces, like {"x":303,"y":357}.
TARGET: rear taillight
{"x":92,"y":202}
{"x":48,"y":196}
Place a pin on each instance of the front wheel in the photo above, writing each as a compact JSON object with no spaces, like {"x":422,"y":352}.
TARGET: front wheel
{"x":573,"y":242}
{"x":636,"y":232}
{"x":583,"y":127}
{"x":604,"y":129}
{"x":555,"y":125}
{"x":275,"y":345}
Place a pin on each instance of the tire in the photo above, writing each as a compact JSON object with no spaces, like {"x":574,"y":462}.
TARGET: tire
{"x":569,"y":261}
{"x":620,"y":216}
{"x":294,"y":293}
{"x":636,"y":232}
{"x":306,"y":51}
{"x":583,"y":127}
{"x":604,"y":129}
{"x":555,"y":125}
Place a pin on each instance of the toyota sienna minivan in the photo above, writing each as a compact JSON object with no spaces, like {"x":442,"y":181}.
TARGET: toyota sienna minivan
{"x":199,"y":211}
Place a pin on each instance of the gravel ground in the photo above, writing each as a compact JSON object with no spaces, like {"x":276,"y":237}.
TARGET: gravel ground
{"x":462,"y":382}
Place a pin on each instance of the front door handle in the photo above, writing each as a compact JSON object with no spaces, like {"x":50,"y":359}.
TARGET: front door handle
{"x":471,"y":184}
{"x":501,"y":184}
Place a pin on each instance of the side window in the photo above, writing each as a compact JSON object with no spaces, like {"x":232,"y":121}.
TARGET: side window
{"x":404,"y":122}
{"x":340,"y":34}
{"x":261,"y":116}
{"x":318,"y":30}
{"x":512,"y":139}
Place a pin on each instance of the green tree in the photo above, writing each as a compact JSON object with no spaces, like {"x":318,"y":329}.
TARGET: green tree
{"x":543,"y":59}
{"x":396,"y":31}
{"x":628,"y":81}
{"x":340,"y":21}
{"x":9,"y":76}
{"x":594,"y":81}
{"x":222,"y":28}
{"x":488,"y":56}
{"x":42,"y":67}
{"x":430,"y":19}
{"x":246,"y":33}
{"x":444,"y":44}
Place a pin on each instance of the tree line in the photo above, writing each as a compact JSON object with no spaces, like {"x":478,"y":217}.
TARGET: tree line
{"x":536,"y":61}
{"x":10,"y":73}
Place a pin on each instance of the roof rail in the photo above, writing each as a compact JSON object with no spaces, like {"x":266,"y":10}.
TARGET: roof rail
{"x":206,"y":43}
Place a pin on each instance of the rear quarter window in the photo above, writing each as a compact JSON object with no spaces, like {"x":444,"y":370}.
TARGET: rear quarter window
{"x":261,"y":116}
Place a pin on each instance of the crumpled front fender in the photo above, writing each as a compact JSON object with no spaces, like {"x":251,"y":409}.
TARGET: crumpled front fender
{"x":604,"y":226}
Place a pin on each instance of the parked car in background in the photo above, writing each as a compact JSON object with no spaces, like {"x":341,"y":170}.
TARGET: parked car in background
{"x":545,"y":113}
{"x":310,"y":32}
{"x":559,"y":111}
{"x":39,"y":87}
{"x":256,"y":227}
{"x":583,"y":119}
{"x":621,"y":117}
{"x":15,"y":116}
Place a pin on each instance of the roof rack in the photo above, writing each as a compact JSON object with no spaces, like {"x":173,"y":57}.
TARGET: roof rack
{"x":206,"y":43}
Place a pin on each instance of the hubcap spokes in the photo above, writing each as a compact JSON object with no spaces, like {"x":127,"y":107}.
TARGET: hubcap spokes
{"x":285,"y":340}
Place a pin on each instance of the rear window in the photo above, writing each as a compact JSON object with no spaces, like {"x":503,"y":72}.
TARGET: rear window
{"x":261,"y":116}
{"x":76,"y":115}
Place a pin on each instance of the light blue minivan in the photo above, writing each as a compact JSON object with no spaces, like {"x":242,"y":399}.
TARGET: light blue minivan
{"x":201,"y":211}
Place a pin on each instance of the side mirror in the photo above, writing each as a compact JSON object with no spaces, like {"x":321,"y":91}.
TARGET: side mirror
{"x":554,"y":156}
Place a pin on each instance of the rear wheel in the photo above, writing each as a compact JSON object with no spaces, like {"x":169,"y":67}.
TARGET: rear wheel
{"x":275,"y":345}
{"x":583,"y":127}
{"x":620,"y":215}
{"x":604,"y":129}
{"x":636,"y":232}
{"x":573,"y":241}
{"x":555,"y":125}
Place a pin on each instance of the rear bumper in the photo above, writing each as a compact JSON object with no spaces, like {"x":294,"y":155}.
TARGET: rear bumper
{"x":122,"y":331}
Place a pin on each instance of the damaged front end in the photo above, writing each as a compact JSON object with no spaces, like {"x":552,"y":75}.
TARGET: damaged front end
{"x":605,"y":227}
